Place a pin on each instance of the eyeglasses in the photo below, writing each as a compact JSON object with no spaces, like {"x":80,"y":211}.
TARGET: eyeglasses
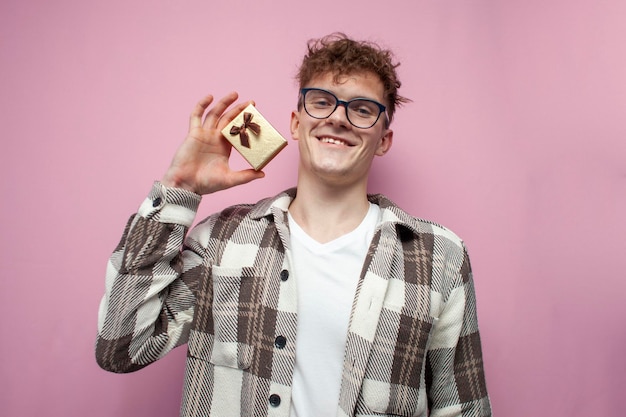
{"x":360,"y":112}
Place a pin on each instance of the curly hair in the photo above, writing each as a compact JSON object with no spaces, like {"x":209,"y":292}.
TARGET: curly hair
{"x":340,"y":55}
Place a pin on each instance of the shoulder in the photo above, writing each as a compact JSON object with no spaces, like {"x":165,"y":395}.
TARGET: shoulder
{"x":223,"y":223}
{"x":391,"y":212}
{"x":266,"y":207}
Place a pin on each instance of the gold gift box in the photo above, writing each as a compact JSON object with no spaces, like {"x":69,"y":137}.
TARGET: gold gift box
{"x":254,"y":137}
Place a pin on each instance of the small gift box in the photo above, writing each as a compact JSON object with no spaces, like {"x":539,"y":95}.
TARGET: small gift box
{"x":254,"y":137}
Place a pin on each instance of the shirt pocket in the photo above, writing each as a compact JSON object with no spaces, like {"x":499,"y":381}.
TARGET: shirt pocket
{"x":227,"y":346}
{"x":204,"y":347}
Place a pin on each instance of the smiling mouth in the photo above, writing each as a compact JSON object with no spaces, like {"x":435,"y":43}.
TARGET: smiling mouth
{"x":334,"y":141}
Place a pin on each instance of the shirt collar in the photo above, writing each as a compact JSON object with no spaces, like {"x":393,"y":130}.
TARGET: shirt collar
{"x":278,"y":206}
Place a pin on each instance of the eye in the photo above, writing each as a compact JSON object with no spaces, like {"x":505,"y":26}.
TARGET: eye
{"x":321,"y":102}
{"x":364,"y":109}
{"x":320,"y":99}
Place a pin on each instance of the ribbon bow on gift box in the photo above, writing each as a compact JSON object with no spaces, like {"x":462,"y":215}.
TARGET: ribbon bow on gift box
{"x":241,"y":130}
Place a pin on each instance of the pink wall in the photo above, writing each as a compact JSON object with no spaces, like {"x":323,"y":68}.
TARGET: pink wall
{"x":516,"y":140}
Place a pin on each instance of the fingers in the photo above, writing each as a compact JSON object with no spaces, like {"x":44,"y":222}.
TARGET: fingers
{"x":215,"y":117}
{"x":195,"y":118}
{"x":231,"y":114}
{"x":215,"y":113}
{"x":246,"y":175}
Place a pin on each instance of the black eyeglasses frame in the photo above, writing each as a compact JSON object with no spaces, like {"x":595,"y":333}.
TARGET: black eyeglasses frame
{"x":381,"y":107}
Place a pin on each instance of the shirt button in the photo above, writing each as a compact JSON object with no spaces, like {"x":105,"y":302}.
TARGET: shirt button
{"x":156,"y":202}
{"x":280,"y":342}
{"x":274,"y":400}
{"x":284,"y":275}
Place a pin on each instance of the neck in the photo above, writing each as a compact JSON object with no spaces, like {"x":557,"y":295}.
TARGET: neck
{"x":325,"y":212}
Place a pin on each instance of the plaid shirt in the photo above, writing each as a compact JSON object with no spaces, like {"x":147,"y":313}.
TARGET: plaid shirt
{"x":413,"y":347}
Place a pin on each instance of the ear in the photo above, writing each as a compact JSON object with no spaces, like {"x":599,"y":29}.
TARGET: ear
{"x":295,"y":124}
{"x":385,"y":143}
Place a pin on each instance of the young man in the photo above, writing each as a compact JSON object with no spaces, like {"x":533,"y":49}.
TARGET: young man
{"x":320,"y":301}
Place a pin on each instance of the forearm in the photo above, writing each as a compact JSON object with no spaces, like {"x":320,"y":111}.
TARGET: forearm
{"x":148,"y":301}
{"x":457,"y":385}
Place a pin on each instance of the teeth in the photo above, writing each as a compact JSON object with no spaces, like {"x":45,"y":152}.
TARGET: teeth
{"x":333,"y":141}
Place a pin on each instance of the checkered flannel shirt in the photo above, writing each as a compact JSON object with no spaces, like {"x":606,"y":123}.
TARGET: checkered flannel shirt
{"x":413,"y":347}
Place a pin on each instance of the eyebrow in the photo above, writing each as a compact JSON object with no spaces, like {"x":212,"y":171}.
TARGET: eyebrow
{"x":350,"y":99}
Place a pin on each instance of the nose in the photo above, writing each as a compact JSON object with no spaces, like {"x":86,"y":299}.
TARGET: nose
{"x":339,"y":116}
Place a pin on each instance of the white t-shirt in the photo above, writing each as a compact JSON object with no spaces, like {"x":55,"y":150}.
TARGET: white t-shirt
{"x":326,"y":279}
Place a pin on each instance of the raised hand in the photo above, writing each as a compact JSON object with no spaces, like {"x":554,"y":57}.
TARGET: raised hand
{"x":201,"y":164}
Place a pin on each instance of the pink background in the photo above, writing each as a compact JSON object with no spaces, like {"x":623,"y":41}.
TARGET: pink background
{"x":515,"y":140}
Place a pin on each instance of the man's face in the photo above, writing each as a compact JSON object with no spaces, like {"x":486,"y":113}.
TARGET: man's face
{"x":332,"y":149}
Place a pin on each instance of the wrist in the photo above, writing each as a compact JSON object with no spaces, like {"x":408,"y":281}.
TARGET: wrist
{"x":172,"y":181}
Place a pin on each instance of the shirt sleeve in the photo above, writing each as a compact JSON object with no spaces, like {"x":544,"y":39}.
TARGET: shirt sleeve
{"x":150,"y":281}
{"x":455,"y":375}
